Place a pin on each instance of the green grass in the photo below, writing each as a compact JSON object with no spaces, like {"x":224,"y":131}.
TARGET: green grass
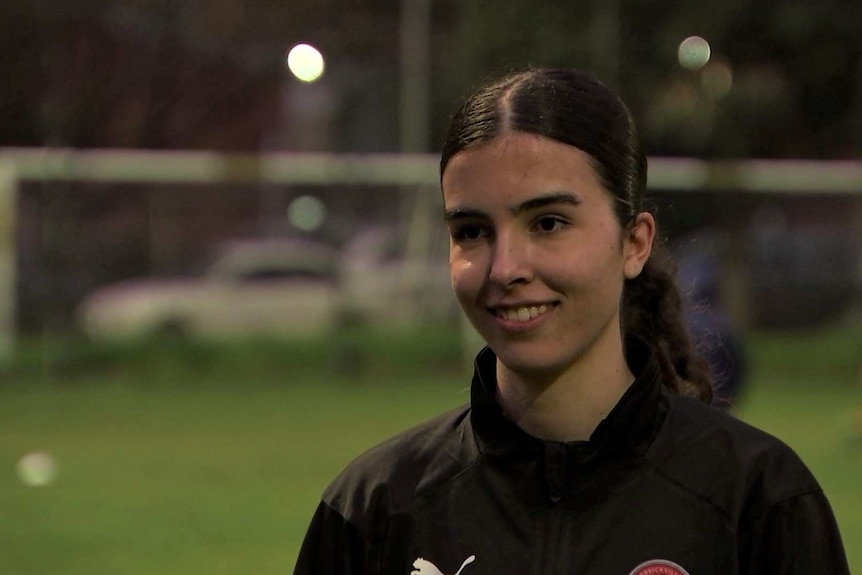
{"x":807,"y":390}
{"x":185,"y":460}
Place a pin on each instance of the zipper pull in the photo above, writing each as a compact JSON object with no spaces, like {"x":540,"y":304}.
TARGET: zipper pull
{"x":555,"y":470}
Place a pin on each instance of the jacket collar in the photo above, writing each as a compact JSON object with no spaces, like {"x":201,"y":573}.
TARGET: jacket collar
{"x":630,"y":427}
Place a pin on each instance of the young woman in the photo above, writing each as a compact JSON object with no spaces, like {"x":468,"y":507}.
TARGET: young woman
{"x":589,"y":446}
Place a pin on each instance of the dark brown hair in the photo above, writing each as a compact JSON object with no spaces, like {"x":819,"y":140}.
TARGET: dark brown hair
{"x":575,"y":108}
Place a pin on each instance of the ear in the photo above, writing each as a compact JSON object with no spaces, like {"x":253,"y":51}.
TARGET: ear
{"x":637,"y":244}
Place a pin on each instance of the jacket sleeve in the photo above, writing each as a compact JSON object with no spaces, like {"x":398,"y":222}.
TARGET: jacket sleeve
{"x":797,"y":536}
{"x":332,"y":546}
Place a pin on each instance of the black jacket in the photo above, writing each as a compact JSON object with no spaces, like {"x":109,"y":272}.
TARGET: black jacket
{"x":665,"y":486}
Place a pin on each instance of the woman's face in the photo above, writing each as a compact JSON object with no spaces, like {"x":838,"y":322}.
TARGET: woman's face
{"x":537,"y":256}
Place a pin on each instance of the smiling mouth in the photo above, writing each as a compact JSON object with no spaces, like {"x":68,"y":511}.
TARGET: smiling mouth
{"x":521,"y":313}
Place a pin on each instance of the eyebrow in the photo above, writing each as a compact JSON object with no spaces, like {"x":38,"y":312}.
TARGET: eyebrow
{"x":542,"y":201}
{"x":546,"y":200}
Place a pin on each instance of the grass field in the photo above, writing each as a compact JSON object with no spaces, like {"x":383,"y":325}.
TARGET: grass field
{"x":195,"y":460}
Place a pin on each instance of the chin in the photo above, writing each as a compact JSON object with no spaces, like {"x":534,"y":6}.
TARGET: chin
{"x":533,"y":360}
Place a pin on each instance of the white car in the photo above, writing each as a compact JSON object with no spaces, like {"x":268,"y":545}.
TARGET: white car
{"x":277,"y":288}
{"x":270,"y":288}
{"x":387,"y":288}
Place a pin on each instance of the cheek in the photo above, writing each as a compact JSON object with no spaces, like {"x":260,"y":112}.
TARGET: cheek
{"x":608,"y":272}
{"x":466,"y":280}
{"x":595,"y":268}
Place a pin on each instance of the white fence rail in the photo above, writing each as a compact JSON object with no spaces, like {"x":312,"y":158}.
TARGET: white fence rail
{"x":689,"y":174}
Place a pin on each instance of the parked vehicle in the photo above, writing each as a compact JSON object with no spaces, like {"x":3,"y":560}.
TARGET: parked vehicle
{"x":383,"y":285}
{"x":272,"y":288}
{"x":276,"y":288}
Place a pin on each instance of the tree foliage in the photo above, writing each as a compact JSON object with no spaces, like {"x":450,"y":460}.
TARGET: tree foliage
{"x":784,"y":79}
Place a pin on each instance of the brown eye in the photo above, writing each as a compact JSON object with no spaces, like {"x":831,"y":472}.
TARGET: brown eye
{"x":549,"y":224}
{"x":468,"y":233}
{"x":472,"y":232}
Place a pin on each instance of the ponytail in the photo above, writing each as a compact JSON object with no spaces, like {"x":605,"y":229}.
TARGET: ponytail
{"x":652,"y":310}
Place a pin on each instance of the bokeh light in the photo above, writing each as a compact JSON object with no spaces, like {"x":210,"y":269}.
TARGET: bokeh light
{"x":717,"y":79}
{"x":305,"y":62}
{"x":306,"y":213}
{"x":694,"y":53}
{"x":37,"y":469}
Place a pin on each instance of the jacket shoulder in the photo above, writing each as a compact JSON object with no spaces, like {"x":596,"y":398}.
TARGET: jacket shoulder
{"x":735,"y":466}
{"x":391,"y":475}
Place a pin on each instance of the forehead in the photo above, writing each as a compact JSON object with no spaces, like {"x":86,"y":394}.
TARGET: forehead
{"x":518,"y":164}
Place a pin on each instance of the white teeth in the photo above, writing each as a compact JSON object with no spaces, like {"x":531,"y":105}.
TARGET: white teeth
{"x":522,"y":314}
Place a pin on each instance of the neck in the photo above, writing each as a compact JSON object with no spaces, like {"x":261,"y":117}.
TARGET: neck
{"x":567,"y":406}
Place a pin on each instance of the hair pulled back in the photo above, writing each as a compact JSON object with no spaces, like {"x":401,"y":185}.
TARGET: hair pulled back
{"x":575,"y":108}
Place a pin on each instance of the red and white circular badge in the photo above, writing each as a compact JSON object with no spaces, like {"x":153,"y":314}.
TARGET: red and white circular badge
{"x":659,"y":567}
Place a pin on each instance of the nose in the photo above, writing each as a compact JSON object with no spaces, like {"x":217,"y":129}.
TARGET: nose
{"x":510,"y":261}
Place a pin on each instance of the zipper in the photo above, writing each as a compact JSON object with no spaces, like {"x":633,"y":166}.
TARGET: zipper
{"x":555,"y":470}
{"x":547,"y":560}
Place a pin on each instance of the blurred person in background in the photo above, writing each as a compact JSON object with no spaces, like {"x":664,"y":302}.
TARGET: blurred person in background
{"x":589,"y":445}
{"x":712,"y":332}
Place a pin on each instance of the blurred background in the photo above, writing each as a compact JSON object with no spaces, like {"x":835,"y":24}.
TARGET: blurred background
{"x":223,"y":266}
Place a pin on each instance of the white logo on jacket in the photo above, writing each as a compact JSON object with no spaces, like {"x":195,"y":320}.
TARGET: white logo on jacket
{"x":423,"y":567}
